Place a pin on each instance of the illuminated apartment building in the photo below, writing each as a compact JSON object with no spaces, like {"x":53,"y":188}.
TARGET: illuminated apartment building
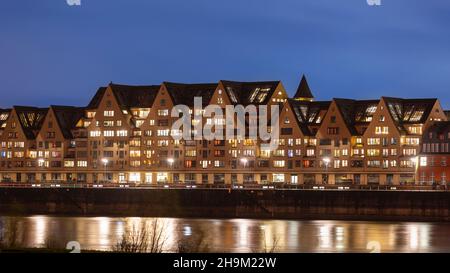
{"x":434,"y":159}
{"x":125,"y":135}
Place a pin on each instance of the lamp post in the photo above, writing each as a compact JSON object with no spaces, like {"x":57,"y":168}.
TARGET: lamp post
{"x":105,"y":163}
{"x":244,"y":162}
{"x":326,"y":161}
{"x":170,"y":160}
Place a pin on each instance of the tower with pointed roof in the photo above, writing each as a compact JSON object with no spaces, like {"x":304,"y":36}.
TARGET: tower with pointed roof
{"x":303,"y":91}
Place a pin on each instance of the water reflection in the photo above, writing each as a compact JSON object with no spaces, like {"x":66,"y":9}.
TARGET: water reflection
{"x":237,"y":235}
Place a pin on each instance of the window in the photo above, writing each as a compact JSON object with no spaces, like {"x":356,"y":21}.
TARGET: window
{"x":95,"y":133}
{"x":278,"y":152}
{"x":423,"y":161}
{"x":373,"y":152}
{"x":381,"y":130}
{"x":373,"y":141}
{"x":286,"y":131}
{"x":135,"y":153}
{"x":164,"y":132}
{"x":219,"y":163}
{"x":278,"y":177}
{"x":82,"y":164}
{"x":278,"y":163}
{"x":310,"y":152}
{"x":163,"y":112}
{"x":163,"y":143}
{"x":148,"y":177}
{"x":122,"y":133}
{"x":108,"y":133}
{"x":333,"y":130}
{"x":108,"y":123}
{"x":69,"y":164}
{"x":108,"y":113}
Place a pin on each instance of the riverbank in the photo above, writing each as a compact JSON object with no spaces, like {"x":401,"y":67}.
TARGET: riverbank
{"x":223,"y":203}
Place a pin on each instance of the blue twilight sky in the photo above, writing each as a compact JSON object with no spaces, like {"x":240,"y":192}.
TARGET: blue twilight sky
{"x":53,"y":53}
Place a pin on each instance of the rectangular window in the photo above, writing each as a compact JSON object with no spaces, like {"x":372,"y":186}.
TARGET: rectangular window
{"x":163,"y":112}
{"x":108,"y":133}
{"x":122,"y":133}
{"x":108,"y":113}
{"x":278,"y":163}
{"x":95,"y":133}
{"x":82,"y":164}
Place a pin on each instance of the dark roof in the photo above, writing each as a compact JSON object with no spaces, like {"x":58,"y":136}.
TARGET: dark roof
{"x":95,"y":101}
{"x":308,"y":113}
{"x":4,"y":114}
{"x":67,"y":117}
{"x":303,"y":90}
{"x":438,"y":127}
{"x":447,"y":113}
{"x":409,"y":111}
{"x":250,"y":92}
{"x":182,"y":93}
{"x":30,"y":119}
{"x":129,"y":96}
{"x":356,"y":112}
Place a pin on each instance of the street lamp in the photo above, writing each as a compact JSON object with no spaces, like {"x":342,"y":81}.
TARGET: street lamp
{"x":105,"y":163}
{"x":244,"y":162}
{"x":326,"y":161}
{"x":170,"y":160}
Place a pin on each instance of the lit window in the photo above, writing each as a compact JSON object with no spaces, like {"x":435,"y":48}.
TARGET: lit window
{"x":122,"y":133}
{"x":95,"y":133}
{"x":423,"y":161}
{"x":108,"y":113}
{"x":108,"y":133}
{"x":81,"y":163}
{"x":163,"y":112}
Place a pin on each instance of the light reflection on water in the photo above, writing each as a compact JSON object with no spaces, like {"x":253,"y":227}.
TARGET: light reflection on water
{"x":238,"y":235}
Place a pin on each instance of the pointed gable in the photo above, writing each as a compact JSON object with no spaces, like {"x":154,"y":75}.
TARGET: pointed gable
{"x":30,"y":119}
{"x":95,"y":101}
{"x":309,"y":115}
{"x":303,"y":90}
{"x":67,"y":118}
{"x":356,"y":113}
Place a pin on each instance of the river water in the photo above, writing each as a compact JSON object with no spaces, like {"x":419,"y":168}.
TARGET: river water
{"x":234,"y":235}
